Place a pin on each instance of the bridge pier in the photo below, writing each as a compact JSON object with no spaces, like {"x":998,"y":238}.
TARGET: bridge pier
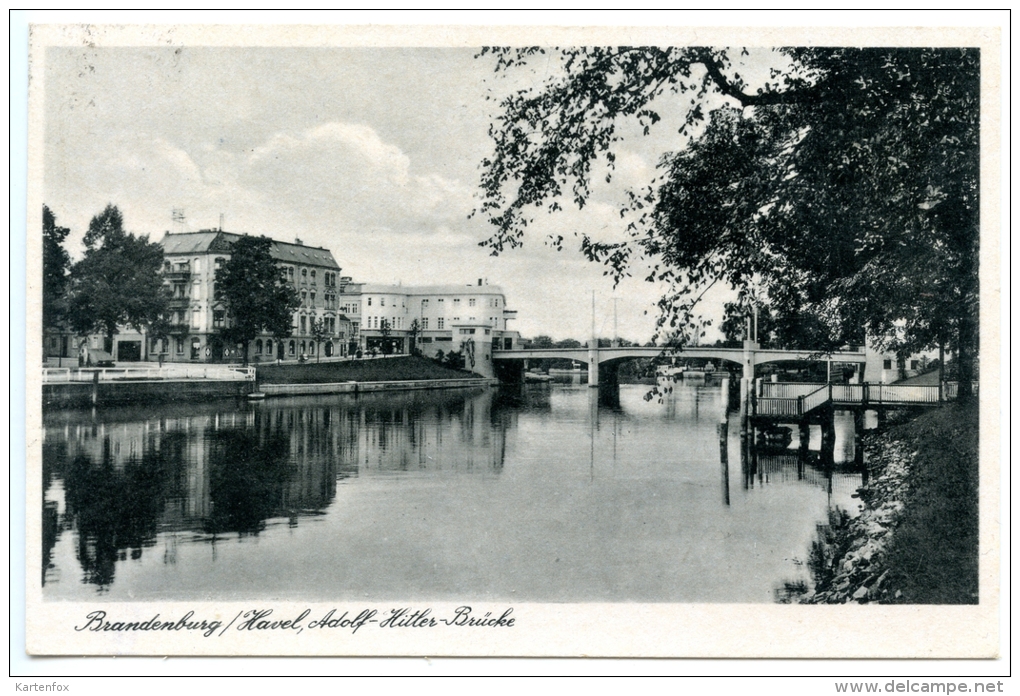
{"x":593,"y":364}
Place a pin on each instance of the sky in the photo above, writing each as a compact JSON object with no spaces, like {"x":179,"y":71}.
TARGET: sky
{"x":373,"y":153}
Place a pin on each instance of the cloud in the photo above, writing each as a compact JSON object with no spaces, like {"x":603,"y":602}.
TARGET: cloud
{"x":346,"y":176}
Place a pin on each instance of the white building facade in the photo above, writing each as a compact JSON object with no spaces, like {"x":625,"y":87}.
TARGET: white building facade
{"x":472,"y":319}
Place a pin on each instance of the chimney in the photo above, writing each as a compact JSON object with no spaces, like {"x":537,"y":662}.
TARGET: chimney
{"x":298,"y":241}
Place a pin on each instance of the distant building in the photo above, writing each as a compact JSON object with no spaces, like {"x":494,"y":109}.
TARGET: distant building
{"x":469,"y":319}
{"x":883,"y":366}
{"x":360,"y":317}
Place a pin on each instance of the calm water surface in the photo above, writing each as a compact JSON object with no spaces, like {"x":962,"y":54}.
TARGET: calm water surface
{"x":540,"y":494}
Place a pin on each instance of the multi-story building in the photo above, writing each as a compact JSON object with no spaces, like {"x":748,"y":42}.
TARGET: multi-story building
{"x":473,"y":319}
{"x":359,"y":318}
{"x":198,"y":314}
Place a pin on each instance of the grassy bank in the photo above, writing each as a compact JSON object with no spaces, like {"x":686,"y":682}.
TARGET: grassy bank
{"x":933,"y":556}
{"x":373,"y":370}
{"x":916,"y":539}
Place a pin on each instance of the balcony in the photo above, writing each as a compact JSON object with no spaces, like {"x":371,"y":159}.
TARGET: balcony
{"x":179,"y":302}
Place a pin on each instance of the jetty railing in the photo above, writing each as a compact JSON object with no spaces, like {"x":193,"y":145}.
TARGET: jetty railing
{"x":799,"y":399}
{"x":788,"y":390}
{"x":232,"y":373}
{"x":817,"y":398}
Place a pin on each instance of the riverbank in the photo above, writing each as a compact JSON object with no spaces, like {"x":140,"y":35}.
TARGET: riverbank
{"x":916,"y":538}
{"x":395,"y":369}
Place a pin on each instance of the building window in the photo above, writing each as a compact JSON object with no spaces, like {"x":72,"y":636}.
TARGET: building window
{"x":195,"y":318}
{"x":471,"y":302}
{"x":382,"y":301}
{"x":304,"y":298}
{"x":456,"y":303}
{"x":313,"y":277}
{"x":440,"y":323}
{"x":218,"y":262}
{"x":258,"y":347}
{"x":425,"y":304}
{"x":304,"y":324}
{"x":290,"y":273}
{"x":425,"y":324}
{"x":304,"y":275}
{"x":312,"y":298}
{"x":440,"y":300}
{"x":467,"y":331}
{"x":456,"y":318}
{"x":887,"y":364}
{"x":179,"y":347}
{"x":217,"y":318}
{"x":291,"y":347}
{"x":269,"y":347}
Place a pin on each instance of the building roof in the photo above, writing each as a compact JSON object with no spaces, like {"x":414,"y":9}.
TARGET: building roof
{"x":372,"y":288}
{"x":207,"y":241}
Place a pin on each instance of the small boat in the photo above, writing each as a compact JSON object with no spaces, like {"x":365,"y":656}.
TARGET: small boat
{"x":256,"y":396}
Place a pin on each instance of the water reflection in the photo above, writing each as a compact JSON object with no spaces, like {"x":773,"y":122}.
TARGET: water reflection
{"x":120,"y":477}
{"x":538,"y":493}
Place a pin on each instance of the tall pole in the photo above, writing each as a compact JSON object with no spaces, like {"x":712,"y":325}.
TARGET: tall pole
{"x":616,"y":330}
{"x":593,"y":349}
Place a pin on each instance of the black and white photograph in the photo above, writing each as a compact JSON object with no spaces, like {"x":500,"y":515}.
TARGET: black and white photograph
{"x":648,"y":343}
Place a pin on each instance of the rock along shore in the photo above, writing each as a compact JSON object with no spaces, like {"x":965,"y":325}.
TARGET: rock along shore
{"x":850,"y":556}
{"x":916,"y":537}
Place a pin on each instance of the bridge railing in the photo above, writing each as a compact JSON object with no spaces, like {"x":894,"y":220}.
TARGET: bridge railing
{"x":167,"y":372}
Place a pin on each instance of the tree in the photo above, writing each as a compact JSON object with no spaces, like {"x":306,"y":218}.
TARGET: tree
{"x":843,"y":186}
{"x":117,"y":282}
{"x":256,"y":292}
{"x":385,"y":331}
{"x":413,"y":333}
{"x":56,"y":263}
{"x":542,"y":341}
{"x":320,"y":334}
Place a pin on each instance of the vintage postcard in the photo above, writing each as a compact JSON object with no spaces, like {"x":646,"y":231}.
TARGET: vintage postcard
{"x":495,"y":341}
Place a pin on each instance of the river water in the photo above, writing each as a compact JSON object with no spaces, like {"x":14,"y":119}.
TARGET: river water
{"x":533,"y":494}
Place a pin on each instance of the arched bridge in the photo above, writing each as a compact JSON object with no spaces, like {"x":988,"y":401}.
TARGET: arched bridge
{"x":748,"y":357}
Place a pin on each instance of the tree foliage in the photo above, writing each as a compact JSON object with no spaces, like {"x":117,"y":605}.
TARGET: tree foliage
{"x":413,"y":336}
{"x":256,"y":292}
{"x":843,"y":186}
{"x":56,"y":264}
{"x":117,"y":282}
{"x":320,"y":333}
